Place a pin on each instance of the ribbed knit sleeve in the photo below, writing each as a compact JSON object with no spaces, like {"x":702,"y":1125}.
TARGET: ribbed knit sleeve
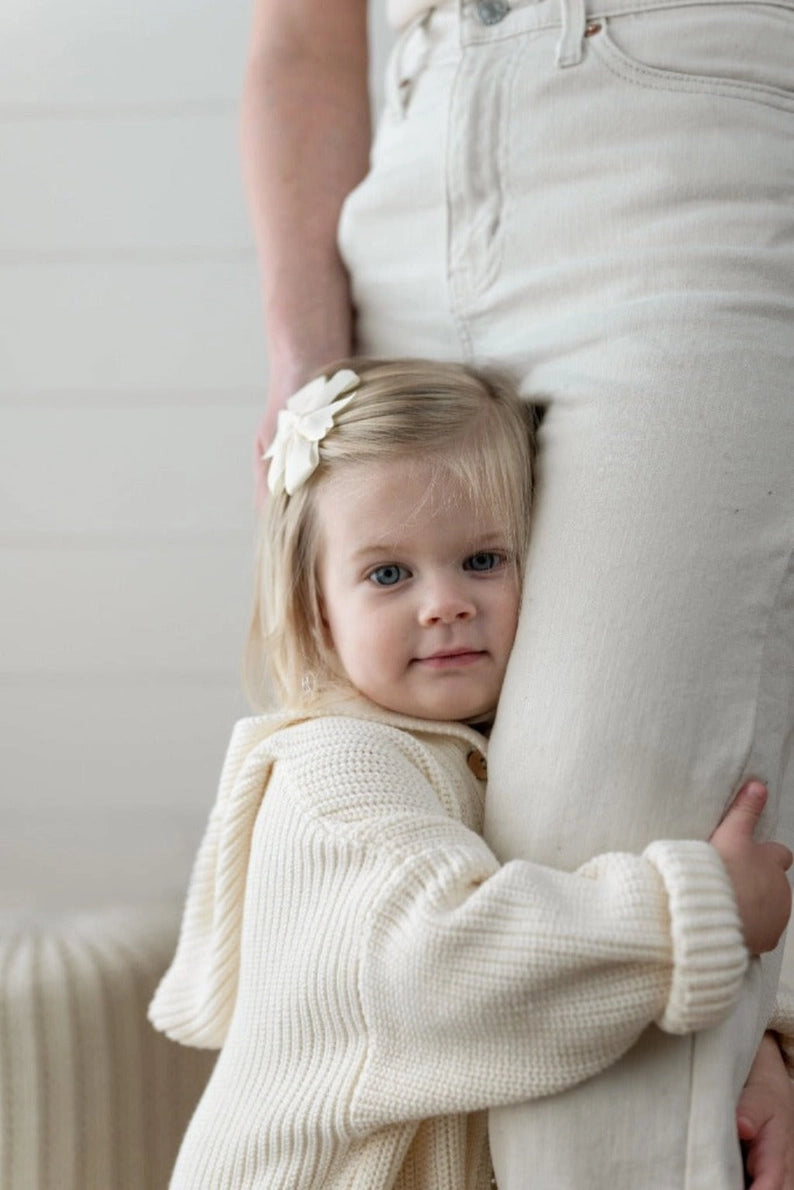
{"x":709,"y":957}
{"x":196,"y":997}
{"x":367,"y":963}
{"x":521,"y":981}
{"x":516,"y":980}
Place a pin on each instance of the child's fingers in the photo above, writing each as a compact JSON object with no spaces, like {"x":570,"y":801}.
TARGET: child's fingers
{"x":745,"y":810}
{"x":741,"y":819}
{"x":780,"y":854}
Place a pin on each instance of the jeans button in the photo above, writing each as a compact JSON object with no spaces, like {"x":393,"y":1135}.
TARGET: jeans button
{"x":491,"y":12}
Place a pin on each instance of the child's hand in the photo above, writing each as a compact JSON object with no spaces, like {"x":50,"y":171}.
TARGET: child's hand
{"x":765,"y":1119}
{"x":757,"y":870}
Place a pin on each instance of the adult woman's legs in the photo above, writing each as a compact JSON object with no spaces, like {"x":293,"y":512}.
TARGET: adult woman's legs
{"x":618,"y":232}
{"x":652,"y":672}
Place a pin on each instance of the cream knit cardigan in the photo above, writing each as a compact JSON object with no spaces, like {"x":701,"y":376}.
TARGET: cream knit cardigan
{"x":376,"y":978}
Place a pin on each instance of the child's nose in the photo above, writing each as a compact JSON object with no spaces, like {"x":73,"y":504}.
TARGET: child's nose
{"x":445,"y":602}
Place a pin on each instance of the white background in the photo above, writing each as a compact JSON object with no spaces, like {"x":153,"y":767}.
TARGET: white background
{"x":132,"y":371}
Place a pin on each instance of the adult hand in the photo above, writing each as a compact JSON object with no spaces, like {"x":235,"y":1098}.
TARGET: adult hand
{"x":765,"y":1120}
{"x":757,"y":870}
{"x":305,"y":133}
{"x":281,"y":389}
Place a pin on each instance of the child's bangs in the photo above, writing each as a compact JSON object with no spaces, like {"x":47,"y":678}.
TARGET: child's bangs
{"x":493,"y":470}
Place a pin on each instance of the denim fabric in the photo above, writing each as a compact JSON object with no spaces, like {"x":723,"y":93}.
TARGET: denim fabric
{"x":602,"y":201}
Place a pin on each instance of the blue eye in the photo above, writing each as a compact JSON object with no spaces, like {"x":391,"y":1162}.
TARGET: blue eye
{"x":388,"y":576}
{"x":484,"y":561}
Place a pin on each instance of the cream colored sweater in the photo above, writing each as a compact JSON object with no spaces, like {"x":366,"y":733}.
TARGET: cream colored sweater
{"x":376,"y":979}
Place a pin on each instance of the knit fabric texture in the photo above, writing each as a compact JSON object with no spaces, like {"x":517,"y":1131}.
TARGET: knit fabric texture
{"x":377,"y":979}
{"x":91,"y":1098}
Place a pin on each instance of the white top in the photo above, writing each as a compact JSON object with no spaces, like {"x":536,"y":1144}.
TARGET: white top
{"x":400,"y":12}
{"x":367,"y":964}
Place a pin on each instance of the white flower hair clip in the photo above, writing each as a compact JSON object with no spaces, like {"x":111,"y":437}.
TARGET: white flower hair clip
{"x":294,"y":452}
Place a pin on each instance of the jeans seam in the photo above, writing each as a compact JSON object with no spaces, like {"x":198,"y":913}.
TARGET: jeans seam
{"x":674,"y":82}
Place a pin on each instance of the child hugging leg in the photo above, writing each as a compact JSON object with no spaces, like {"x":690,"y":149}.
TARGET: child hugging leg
{"x":374,"y":977}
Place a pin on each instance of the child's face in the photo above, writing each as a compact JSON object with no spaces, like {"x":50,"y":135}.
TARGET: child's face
{"x":420,"y":592}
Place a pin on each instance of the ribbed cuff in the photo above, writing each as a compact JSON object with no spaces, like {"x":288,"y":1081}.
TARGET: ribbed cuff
{"x":709,"y":955}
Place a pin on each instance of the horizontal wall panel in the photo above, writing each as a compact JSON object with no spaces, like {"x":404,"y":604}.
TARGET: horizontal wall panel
{"x":76,"y":859}
{"x":144,"y":744}
{"x":131,"y":324}
{"x":125,"y":472}
{"x":124,"y":52}
{"x":132,"y":370}
{"x":62,"y":57}
{"x":166,"y":608}
{"x":131,"y":398}
{"x":105,"y":788}
{"x":102,"y":186}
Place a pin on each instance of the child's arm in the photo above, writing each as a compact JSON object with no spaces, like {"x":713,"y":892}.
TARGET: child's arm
{"x":462,"y":983}
{"x":505,"y":984}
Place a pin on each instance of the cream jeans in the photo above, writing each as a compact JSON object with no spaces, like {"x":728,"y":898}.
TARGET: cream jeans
{"x":603,"y":202}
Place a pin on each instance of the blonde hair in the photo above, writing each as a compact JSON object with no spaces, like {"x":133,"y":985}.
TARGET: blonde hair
{"x":471,"y":422}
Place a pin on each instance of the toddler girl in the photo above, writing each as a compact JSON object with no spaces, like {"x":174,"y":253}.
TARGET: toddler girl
{"x":374,"y":977}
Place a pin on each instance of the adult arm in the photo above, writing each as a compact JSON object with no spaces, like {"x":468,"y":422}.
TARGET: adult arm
{"x":305,"y":130}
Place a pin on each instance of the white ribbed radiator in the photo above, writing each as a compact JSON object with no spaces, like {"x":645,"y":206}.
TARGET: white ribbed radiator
{"x":91,"y":1098}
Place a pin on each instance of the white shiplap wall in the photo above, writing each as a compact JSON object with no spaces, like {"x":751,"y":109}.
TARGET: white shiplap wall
{"x":131,"y":373}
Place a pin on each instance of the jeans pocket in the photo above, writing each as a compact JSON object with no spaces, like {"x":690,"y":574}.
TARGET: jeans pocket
{"x":406,"y":62}
{"x":732,"y":50}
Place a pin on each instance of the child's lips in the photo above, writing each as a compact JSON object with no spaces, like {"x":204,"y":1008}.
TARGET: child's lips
{"x":451,"y":658}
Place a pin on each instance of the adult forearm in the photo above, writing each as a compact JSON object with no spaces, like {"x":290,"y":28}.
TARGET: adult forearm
{"x":305,"y":141}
